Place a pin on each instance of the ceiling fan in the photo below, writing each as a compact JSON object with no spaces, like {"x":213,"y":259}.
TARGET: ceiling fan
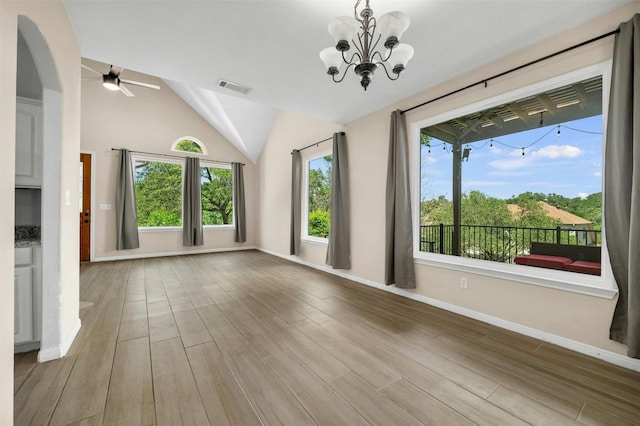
{"x":112,"y":80}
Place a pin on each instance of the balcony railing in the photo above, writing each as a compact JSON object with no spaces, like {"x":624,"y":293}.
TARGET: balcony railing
{"x":500,"y":243}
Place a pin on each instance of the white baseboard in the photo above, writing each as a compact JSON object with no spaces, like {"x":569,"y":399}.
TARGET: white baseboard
{"x":56,"y":352}
{"x":583,"y":348}
{"x":171,"y":253}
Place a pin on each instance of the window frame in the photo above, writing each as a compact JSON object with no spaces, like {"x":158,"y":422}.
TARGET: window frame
{"x":308,"y":158}
{"x":601,"y":286}
{"x":197,"y":141}
{"x":154,"y":159}
{"x":218,"y":165}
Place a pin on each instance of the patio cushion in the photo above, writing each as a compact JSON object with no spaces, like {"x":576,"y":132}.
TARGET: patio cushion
{"x":543,"y":261}
{"x":584,"y":267}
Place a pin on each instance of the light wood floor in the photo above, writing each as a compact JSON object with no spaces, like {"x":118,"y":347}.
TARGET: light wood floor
{"x":247,"y":338}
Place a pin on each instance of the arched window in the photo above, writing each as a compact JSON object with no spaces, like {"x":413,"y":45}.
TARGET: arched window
{"x":189,"y":144}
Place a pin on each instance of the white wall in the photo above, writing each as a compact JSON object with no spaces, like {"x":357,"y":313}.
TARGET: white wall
{"x":52,"y":22}
{"x":569,"y":316}
{"x":150,"y":121}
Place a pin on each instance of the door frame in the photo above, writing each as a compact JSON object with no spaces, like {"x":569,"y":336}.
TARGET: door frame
{"x":92,"y":229}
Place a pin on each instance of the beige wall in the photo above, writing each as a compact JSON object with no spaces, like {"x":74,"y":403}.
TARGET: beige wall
{"x":54,"y":26}
{"x":150,"y":122}
{"x":579,"y":318}
{"x":290,"y":131}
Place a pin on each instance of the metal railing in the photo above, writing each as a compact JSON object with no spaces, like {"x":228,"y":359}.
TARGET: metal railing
{"x":500,"y":243}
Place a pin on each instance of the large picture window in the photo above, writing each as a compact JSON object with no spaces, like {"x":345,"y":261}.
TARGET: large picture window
{"x":517,"y":181}
{"x":317,"y":220}
{"x":158,"y":186}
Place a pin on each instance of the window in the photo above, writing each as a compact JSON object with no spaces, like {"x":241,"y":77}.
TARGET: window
{"x":529,"y":173}
{"x":317,"y":220}
{"x":217,"y":195}
{"x":189,"y":144}
{"x":158,"y":186}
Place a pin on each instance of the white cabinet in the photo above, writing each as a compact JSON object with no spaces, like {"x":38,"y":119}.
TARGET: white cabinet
{"x":23,"y":313}
{"x":27,"y":288}
{"x":28,"y":143}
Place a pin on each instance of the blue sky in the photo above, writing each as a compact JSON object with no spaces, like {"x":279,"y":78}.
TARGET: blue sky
{"x":568,"y":164}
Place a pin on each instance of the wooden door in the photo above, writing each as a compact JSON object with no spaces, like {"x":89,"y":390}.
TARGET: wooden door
{"x":85,"y":207}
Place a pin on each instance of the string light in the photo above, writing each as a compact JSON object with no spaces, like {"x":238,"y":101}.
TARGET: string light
{"x":497,"y":141}
{"x":522,"y":148}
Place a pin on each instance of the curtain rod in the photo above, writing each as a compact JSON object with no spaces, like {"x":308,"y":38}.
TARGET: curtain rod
{"x":486,"y":80}
{"x":173,"y":156}
{"x":316,"y":143}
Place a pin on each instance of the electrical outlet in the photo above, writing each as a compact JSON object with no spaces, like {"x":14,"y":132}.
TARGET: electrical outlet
{"x":463,"y":282}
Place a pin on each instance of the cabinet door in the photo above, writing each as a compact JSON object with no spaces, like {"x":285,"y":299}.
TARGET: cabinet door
{"x":23,"y":315}
{"x":28,"y":144}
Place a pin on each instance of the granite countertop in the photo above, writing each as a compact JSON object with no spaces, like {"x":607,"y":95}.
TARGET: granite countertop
{"x":27,"y":236}
{"x":28,"y":243}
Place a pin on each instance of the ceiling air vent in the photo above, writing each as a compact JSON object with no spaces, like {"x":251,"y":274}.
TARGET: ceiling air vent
{"x":233,"y":86}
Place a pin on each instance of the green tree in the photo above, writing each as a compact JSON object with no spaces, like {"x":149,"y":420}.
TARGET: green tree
{"x":187,"y":145}
{"x":319,"y":218}
{"x":479,"y":209}
{"x":158,"y":193}
{"x":217,"y":195}
{"x":436,"y":211}
{"x":319,"y":223}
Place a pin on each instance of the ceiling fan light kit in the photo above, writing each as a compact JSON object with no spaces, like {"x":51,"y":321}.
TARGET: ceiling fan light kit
{"x":112,"y":81}
{"x":364,"y":33}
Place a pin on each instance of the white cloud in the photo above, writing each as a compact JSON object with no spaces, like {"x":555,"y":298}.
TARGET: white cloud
{"x":511,"y":164}
{"x":430,"y":160}
{"x":583,"y":195}
{"x":597,"y":173}
{"x":557,"y":151}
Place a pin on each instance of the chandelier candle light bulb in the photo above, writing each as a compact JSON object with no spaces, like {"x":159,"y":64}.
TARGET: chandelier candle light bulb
{"x":364,"y":33}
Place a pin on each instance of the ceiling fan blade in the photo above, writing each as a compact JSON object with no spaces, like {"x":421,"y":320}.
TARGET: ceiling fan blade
{"x":141,"y":84}
{"x":125,"y":90}
{"x":86,"y":67}
{"x":116,"y":70}
{"x":92,"y":78}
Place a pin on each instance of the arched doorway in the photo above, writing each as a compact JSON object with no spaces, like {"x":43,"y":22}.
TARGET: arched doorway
{"x":51,"y":346}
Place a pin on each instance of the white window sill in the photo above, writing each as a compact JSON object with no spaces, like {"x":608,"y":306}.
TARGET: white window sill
{"x":179,"y":228}
{"x":315,"y":240}
{"x":218,"y":227}
{"x":160,"y":228}
{"x":602,"y":286}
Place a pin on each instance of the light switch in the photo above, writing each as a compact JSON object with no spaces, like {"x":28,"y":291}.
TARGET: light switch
{"x":67,"y":197}
{"x":104,"y":206}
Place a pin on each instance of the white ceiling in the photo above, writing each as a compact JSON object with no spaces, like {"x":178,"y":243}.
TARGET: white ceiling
{"x":273,"y":46}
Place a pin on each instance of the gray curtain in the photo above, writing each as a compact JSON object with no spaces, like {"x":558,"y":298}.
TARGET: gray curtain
{"x":191,"y":204}
{"x":296,"y":202}
{"x":399,"y":268}
{"x":126,"y":217}
{"x":622,"y":185}
{"x":338,"y":254}
{"x":238,"y":203}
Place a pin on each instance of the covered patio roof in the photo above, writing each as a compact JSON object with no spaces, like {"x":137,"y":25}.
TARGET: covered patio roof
{"x":578,"y":100}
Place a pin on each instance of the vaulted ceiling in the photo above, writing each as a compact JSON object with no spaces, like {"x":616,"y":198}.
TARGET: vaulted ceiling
{"x":272,"y":47}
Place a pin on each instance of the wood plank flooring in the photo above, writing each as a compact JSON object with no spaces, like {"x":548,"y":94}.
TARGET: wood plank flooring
{"x":245,"y":338}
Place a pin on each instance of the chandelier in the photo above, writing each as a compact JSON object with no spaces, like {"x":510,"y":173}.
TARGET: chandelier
{"x":364,"y":32}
